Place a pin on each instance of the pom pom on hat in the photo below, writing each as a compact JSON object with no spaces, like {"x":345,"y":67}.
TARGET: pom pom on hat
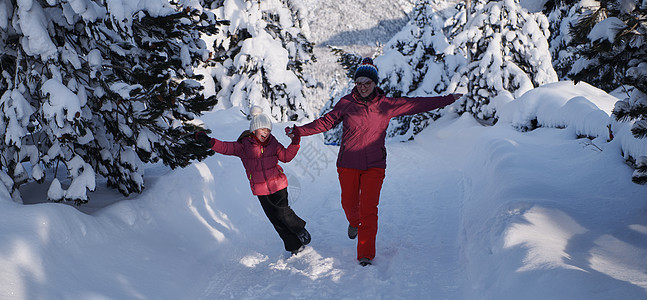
{"x":366,"y":69}
{"x":259,"y":119}
{"x":255,"y":110}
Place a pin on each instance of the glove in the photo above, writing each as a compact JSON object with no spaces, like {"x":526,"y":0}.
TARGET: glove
{"x":295,"y":134}
{"x":203,"y":139}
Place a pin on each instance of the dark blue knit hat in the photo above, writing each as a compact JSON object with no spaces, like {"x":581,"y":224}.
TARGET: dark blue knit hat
{"x":366,"y":69}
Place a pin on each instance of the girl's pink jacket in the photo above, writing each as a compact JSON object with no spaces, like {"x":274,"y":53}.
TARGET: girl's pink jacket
{"x":365,"y":123}
{"x":260,"y":161}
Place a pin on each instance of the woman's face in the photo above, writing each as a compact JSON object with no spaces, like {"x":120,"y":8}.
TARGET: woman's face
{"x":262,"y":134}
{"x":365,"y":86}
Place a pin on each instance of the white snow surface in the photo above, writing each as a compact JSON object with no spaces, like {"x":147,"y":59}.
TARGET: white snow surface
{"x":467,"y":212}
{"x":607,"y":29}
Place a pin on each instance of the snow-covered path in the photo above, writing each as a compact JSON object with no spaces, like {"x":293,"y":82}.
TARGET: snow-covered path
{"x":418,"y":241}
{"x":419,"y":220}
{"x":466,"y":212}
{"x":462,"y":215}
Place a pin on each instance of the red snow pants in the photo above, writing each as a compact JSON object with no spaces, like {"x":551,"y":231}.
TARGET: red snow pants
{"x":360,"y":195}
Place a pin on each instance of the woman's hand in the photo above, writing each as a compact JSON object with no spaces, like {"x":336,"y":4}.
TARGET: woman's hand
{"x":294,"y":134}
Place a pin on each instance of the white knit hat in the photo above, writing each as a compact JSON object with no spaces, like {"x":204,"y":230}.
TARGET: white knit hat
{"x":259,"y":119}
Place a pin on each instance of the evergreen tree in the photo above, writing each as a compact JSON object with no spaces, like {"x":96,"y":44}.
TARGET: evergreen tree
{"x":640,"y":174}
{"x":562,"y":16}
{"x":98,"y":91}
{"x":614,"y":54}
{"x":349,"y":62}
{"x":259,"y":58}
{"x":613,"y":45}
{"x":419,"y":61}
{"x":508,"y":52}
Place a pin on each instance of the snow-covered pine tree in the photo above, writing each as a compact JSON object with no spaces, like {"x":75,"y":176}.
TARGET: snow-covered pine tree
{"x":349,"y":62}
{"x":259,"y":59}
{"x":508,"y":53}
{"x":456,"y":21}
{"x":562,"y":16}
{"x":612,"y":36}
{"x":419,"y":61}
{"x":640,"y":174}
{"x":614,"y":54}
{"x":97,"y":90}
{"x":151,"y":95}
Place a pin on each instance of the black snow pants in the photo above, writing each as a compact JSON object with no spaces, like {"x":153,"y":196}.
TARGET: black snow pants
{"x":285,"y":221}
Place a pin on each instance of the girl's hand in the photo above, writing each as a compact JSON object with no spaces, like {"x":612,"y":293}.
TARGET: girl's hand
{"x":295,"y":134}
{"x":203,"y":139}
{"x":288,"y":131}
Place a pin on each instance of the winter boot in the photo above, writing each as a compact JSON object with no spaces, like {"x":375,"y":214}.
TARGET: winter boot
{"x":352,"y":232}
{"x":304,"y":236}
{"x":365,"y":262}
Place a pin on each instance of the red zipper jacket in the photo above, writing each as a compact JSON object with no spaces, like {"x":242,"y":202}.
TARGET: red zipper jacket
{"x":365,"y":123}
{"x":260,"y":161}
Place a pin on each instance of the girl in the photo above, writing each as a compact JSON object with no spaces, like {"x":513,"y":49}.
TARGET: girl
{"x":260,"y":153}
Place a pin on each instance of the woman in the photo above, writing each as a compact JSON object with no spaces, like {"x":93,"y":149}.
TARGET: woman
{"x":361,"y":162}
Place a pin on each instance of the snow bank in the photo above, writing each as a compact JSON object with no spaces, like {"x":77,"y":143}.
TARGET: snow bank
{"x":533,"y":218}
{"x":489,"y":212}
{"x":559,"y":105}
{"x":584,"y":109}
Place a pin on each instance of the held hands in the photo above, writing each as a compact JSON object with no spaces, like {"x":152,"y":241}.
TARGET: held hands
{"x":294,"y":134}
{"x":203,"y":139}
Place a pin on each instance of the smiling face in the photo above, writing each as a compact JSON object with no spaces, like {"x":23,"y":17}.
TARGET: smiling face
{"x":262,"y":134}
{"x":365,"y":86}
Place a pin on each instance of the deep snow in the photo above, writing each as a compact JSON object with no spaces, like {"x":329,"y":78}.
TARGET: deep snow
{"x":467,"y":212}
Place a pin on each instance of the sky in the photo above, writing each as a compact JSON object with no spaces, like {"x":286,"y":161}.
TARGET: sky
{"x":467,"y":211}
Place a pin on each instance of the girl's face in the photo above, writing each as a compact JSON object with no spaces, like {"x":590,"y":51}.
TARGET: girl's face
{"x":262,"y":134}
{"x":365,"y":86}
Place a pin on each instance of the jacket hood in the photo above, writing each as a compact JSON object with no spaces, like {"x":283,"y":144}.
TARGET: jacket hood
{"x":243,"y":135}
